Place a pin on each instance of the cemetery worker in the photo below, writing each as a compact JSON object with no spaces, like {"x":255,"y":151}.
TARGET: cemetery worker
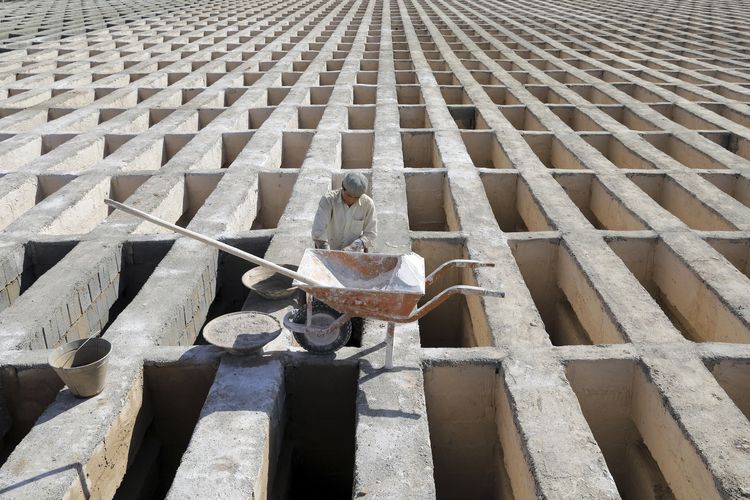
{"x":346,"y":218}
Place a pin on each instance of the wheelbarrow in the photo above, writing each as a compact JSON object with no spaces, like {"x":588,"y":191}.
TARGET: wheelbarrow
{"x":346,"y":285}
{"x":368,"y":285}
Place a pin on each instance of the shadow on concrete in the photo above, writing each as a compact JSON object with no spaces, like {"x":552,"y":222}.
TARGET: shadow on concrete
{"x":370,"y":372}
{"x":76,"y":466}
{"x":65,"y":401}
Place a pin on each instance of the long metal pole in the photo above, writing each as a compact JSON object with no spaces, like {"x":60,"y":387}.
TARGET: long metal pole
{"x":214,"y":243}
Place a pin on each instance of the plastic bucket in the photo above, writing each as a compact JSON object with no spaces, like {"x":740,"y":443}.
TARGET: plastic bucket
{"x":85,"y":371}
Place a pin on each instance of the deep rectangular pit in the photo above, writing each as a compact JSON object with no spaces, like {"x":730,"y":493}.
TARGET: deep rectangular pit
{"x":572,"y":311}
{"x":575,"y":118}
{"x":257,"y":116}
{"x":198,"y":187}
{"x":28,"y":194}
{"x":26,"y":392}
{"x":733,"y":375}
{"x":680,"y":202}
{"x":512,"y":203}
{"x":681,"y":151}
{"x":485,"y":150}
{"x":230,"y":292}
{"x":551,"y":151}
{"x":616,"y":152}
{"x":232,"y":144}
{"x":308,"y":117}
{"x":357,"y":149}
{"x":274,"y":191}
{"x":316,"y":459}
{"x":294,"y":146}
{"x":414,"y":117}
{"x":429,"y":203}
{"x":452,"y":323}
{"x":361,"y":117}
{"x":735,"y":185}
{"x":420,"y":150}
{"x":468,"y":117}
{"x":675,"y":287}
{"x":735,"y":250}
{"x":173,"y":396}
{"x":624,"y":413}
{"x":521,"y":118}
{"x":464,"y":422}
{"x":602,"y":208}
{"x":138,"y":261}
{"x":37,"y":258}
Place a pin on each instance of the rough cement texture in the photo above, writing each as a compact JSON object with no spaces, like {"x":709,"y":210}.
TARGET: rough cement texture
{"x":598,"y":152}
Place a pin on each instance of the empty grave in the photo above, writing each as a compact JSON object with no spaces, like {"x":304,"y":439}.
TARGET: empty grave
{"x":274,"y":191}
{"x":575,"y":118}
{"x":308,"y":117}
{"x":429,"y":203}
{"x":683,"y":117}
{"x":677,"y":200}
{"x":521,"y":118}
{"x":452,"y":323}
{"x":317,"y":434}
{"x":485,"y":150}
{"x":552,"y":152}
{"x":35,"y":259}
{"x":675,"y":288}
{"x":572,"y":311}
{"x":733,"y":375}
{"x":232,"y":144}
{"x":171,"y":402}
{"x":626,"y":417}
{"x":230,"y":292}
{"x":420,"y":150}
{"x":616,"y":152}
{"x":600,"y":206}
{"x":735,"y":250}
{"x":357,"y":149}
{"x":32,"y":191}
{"x":294,"y":146}
{"x":414,"y":116}
{"x":361,"y":117}
{"x":512,"y":203}
{"x":681,"y":151}
{"x":26,"y":393}
{"x":735,"y":185}
{"x":464,"y":422}
{"x":183,"y":201}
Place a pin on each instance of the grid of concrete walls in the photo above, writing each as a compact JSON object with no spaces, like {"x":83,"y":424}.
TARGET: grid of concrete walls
{"x":598,"y":152}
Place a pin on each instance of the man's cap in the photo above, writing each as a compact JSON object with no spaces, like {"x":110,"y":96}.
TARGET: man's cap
{"x":354,"y":183}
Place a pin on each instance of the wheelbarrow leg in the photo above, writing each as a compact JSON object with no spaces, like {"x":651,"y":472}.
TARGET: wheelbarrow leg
{"x":309,"y":306}
{"x":389,"y":345}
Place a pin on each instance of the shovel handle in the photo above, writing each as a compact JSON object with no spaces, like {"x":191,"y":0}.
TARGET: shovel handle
{"x":212,"y":242}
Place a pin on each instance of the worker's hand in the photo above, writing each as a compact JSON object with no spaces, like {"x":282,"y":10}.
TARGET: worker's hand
{"x":356,"y":246}
{"x":321,"y":245}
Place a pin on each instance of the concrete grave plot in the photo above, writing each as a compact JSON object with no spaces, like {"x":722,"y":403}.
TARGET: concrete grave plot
{"x":597,"y":152}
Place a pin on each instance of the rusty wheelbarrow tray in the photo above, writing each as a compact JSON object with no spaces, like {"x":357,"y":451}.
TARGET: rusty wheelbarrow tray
{"x":379,"y":286}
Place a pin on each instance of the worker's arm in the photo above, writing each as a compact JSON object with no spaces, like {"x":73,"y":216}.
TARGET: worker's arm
{"x":370,"y":230}
{"x":321,"y":221}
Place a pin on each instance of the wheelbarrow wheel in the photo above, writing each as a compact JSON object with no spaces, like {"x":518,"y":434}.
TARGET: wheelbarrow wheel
{"x":322,"y":317}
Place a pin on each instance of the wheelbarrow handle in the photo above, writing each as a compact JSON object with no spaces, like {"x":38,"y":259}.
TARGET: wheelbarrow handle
{"x":442,"y":296}
{"x":457,"y":263}
{"x":212,"y":242}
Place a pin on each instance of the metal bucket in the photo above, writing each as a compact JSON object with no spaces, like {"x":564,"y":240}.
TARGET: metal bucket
{"x":85,"y":371}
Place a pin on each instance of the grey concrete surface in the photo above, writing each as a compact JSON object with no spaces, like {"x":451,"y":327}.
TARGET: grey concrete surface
{"x":596,"y":152}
